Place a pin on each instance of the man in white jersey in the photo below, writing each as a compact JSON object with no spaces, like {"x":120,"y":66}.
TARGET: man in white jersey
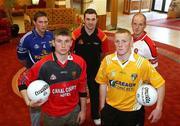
{"x":143,"y":45}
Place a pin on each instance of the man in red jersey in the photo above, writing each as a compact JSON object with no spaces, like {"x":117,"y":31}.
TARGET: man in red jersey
{"x":66,"y":75}
{"x":90,"y":42}
{"x":143,"y":45}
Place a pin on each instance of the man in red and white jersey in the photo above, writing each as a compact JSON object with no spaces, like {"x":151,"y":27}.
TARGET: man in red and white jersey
{"x":143,"y":45}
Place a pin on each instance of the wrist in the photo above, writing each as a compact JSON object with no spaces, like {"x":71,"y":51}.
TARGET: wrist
{"x":28,"y":103}
{"x":159,"y":108}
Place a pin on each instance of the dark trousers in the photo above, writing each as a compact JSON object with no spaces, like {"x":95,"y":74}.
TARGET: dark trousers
{"x":113,"y":117}
{"x":94,"y":96}
{"x":67,"y":120}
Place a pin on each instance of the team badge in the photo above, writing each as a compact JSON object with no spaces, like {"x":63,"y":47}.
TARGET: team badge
{"x":133,"y":76}
{"x":136,"y":50}
{"x":80,"y":42}
{"x":74,"y":74}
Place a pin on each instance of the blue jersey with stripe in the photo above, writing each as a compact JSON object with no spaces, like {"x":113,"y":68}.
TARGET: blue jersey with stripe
{"x":33,"y":47}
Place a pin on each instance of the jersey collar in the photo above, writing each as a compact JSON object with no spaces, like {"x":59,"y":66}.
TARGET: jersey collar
{"x":131,"y":58}
{"x":141,"y":37}
{"x":70,"y":57}
{"x":36,"y":33}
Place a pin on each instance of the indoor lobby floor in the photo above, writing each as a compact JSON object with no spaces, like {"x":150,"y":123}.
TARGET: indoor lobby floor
{"x":160,"y":34}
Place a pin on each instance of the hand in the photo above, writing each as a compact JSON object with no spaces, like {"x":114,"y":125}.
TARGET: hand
{"x":81,"y":117}
{"x":155,"y":115}
{"x":37,"y":103}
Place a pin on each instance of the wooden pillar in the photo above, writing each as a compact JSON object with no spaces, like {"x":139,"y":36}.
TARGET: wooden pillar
{"x":114,"y":13}
{"x":102,"y":22}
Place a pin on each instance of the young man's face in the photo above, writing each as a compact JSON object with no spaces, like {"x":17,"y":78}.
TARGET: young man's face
{"x":41,"y":24}
{"x":62,"y":44}
{"x":90,"y":21}
{"x":123,"y":43}
{"x":138,"y":25}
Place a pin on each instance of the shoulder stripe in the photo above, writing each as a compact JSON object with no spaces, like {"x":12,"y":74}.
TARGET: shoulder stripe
{"x":102,"y":36}
{"x":151,"y":46}
{"x":139,"y":62}
{"x":76,"y":33}
{"x":27,"y":34}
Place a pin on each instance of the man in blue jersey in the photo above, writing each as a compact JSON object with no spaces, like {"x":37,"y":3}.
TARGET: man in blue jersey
{"x":33,"y":46}
{"x":36,"y":43}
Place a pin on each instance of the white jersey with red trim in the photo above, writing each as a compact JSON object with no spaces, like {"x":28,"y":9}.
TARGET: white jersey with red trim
{"x":145,"y":47}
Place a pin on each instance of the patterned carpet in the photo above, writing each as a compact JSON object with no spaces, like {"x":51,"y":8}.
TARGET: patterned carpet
{"x":167,"y":23}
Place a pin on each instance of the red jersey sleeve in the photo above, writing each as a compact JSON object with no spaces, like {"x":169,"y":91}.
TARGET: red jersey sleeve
{"x":75,"y":34}
{"x":152,"y":46}
{"x":83,"y":77}
{"x":28,"y":76}
{"x":104,"y":39}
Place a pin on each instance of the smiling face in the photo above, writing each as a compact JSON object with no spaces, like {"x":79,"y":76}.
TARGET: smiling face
{"x":123,"y":44}
{"x":90,"y":21}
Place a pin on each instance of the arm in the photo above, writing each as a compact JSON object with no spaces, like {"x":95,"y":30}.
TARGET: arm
{"x":23,"y":62}
{"x":22,"y":51}
{"x":82,"y":93}
{"x":102,"y":95}
{"x":30,"y":102}
{"x":25,"y":97}
{"x":23,"y":82}
{"x":82,"y":114}
{"x":157,"y":112}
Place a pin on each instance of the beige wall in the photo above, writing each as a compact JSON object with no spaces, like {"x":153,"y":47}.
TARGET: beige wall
{"x":98,"y":5}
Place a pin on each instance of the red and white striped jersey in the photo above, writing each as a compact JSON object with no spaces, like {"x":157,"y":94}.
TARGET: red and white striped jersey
{"x":145,"y":47}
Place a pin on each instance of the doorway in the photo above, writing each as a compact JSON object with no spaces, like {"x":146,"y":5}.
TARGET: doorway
{"x":161,"y":5}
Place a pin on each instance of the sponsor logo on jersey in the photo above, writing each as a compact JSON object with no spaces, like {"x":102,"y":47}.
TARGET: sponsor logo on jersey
{"x":113,"y":73}
{"x":44,"y":46}
{"x":36,"y":46}
{"x":64,"y":72}
{"x":65,"y":91}
{"x":53,"y":77}
{"x":96,"y":43}
{"x":122,"y":85}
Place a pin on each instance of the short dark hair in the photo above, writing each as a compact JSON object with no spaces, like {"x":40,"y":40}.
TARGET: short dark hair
{"x":62,"y":31}
{"x":90,"y":11}
{"x":39,"y":14}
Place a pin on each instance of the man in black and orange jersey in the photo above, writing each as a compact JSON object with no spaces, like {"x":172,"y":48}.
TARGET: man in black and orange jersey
{"x":90,"y":42}
{"x":143,"y":45}
{"x":119,"y":76}
{"x":66,"y":75}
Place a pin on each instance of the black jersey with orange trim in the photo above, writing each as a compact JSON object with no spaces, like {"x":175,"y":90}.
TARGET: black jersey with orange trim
{"x":66,"y":81}
{"x":90,"y":47}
